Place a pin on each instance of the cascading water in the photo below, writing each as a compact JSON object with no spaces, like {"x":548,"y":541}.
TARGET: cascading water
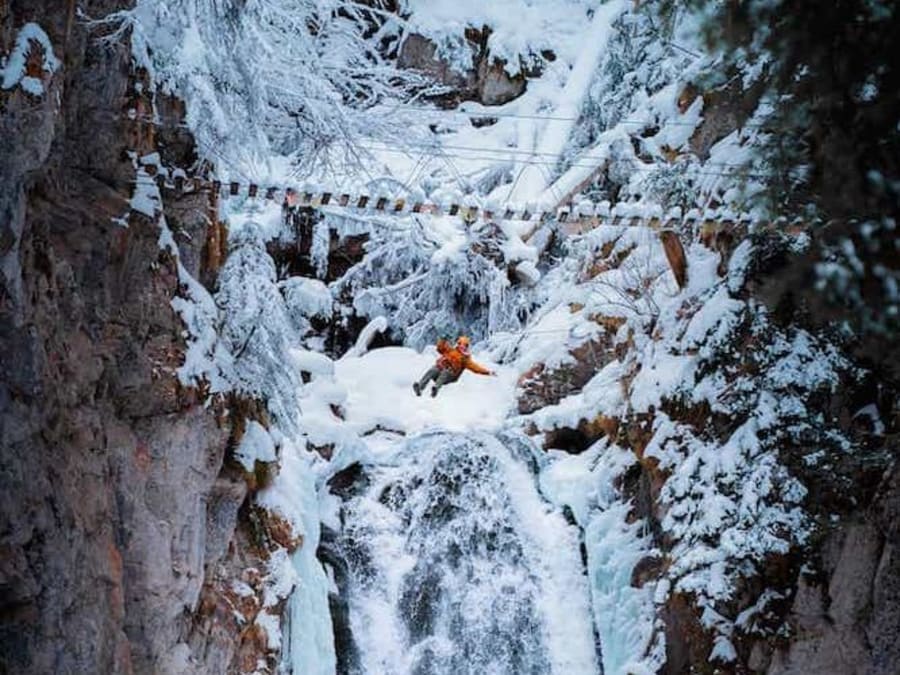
{"x":451,"y":562}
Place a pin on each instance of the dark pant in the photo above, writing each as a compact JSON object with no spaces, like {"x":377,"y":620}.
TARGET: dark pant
{"x":440,"y":377}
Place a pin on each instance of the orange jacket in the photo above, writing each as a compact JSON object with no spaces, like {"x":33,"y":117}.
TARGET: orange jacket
{"x":455,"y":361}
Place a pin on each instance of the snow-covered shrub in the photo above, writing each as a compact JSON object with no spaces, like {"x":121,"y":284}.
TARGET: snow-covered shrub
{"x":256,"y":327}
{"x":725,"y":408}
{"x":638,"y":64}
{"x":256,"y":446}
{"x":858,"y":272}
{"x":674,"y":185}
{"x":737,"y":441}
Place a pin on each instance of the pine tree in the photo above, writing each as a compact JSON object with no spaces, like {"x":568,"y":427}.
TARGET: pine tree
{"x":256,"y":328}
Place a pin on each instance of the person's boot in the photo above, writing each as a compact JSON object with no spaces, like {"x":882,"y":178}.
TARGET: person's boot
{"x":434,"y":391}
{"x":417,"y":388}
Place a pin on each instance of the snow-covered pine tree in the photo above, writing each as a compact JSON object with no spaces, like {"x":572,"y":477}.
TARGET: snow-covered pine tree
{"x":256,"y":327}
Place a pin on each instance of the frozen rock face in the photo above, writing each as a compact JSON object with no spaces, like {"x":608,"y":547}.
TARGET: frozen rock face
{"x":115,"y":508}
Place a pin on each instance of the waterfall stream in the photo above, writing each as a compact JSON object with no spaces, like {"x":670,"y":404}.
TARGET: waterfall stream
{"x":448,"y":560}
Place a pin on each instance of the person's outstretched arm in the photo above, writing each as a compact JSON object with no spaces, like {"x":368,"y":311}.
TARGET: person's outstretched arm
{"x":478,"y":368}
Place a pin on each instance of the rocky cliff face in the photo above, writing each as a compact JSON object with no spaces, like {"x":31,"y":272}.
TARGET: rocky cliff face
{"x":122,"y":524}
{"x":847,"y":618}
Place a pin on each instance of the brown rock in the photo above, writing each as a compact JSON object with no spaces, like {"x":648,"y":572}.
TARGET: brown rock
{"x":539,"y":386}
{"x":648,"y":568}
{"x":487,"y":81}
{"x":599,"y":427}
{"x":725,"y":109}
{"x":675,"y":255}
{"x":282,"y":533}
{"x":688,"y":644}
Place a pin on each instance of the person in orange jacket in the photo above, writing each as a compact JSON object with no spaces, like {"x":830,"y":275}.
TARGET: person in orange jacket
{"x":451,"y":363}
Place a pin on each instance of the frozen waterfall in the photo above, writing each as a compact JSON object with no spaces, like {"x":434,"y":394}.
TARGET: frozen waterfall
{"x":448,"y":560}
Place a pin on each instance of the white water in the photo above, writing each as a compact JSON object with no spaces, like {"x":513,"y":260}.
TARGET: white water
{"x":455,"y":564}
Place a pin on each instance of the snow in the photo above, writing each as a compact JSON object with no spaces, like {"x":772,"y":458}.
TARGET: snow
{"x":271,"y":624}
{"x":309,"y":641}
{"x":145,"y":199}
{"x":528,"y":272}
{"x":624,"y":615}
{"x":602,"y":394}
{"x":871,"y":413}
{"x":723,"y":650}
{"x":516,"y":558}
{"x":310,"y":362}
{"x":205,"y":360}
{"x":732,"y":491}
{"x":13,"y":71}
{"x":715,"y":319}
{"x":449,"y":236}
{"x":252,"y":111}
{"x":256,"y":446}
{"x":567,"y":102}
{"x":662,"y":375}
{"x":521,"y":28}
{"x":380,"y":394}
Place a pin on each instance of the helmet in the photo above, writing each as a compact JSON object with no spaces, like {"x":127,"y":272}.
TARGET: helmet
{"x":462,"y":344}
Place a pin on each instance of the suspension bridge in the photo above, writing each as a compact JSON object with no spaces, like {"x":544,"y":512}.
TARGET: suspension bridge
{"x":573,"y":217}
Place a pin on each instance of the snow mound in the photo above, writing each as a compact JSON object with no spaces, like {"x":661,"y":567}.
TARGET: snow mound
{"x":381,"y":395}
